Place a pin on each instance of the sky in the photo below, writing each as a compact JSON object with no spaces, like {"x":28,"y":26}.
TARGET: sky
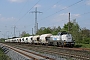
{"x":17,"y":14}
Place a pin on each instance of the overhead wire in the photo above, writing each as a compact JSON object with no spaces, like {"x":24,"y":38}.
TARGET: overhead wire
{"x":62,"y":9}
{"x":22,"y":8}
{"x":65,"y":8}
{"x":53,"y":13}
{"x":85,"y":13}
{"x":28,"y":10}
{"x":76,"y":17}
{"x":34,"y":5}
{"x":54,"y":4}
{"x":82,"y":14}
{"x":47,"y":9}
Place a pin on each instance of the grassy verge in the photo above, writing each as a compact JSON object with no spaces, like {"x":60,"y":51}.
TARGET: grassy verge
{"x":3,"y":56}
{"x":81,"y":45}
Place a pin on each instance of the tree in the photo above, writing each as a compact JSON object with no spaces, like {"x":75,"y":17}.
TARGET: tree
{"x":55,"y":30}
{"x":74,"y":30}
{"x":85,"y":33}
{"x":40,"y":31}
{"x":24,"y":34}
{"x":47,"y":30}
{"x":2,"y":39}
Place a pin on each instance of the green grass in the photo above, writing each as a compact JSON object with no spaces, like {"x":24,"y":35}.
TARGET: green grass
{"x":3,"y":56}
{"x":81,"y":45}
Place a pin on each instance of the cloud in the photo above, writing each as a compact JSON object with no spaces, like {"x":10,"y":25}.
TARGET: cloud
{"x":59,"y":19}
{"x":88,"y":2}
{"x":64,"y":14}
{"x":65,"y":7}
{"x":59,"y":6}
{"x":72,"y":15}
{"x":7,"y":19}
{"x":54,"y":6}
{"x":17,"y":0}
{"x":37,"y":5}
{"x":76,"y":15}
{"x":62,"y":18}
{"x":0,"y":14}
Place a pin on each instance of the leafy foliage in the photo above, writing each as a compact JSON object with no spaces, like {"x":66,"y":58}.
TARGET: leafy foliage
{"x":85,"y":33}
{"x":80,"y":35}
{"x":24,"y":34}
{"x":74,"y":30}
{"x":3,"y":56}
{"x":53,"y":30}
{"x":2,"y":39}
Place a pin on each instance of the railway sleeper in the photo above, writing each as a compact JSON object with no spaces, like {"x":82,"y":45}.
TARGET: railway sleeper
{"x":30,"y":56}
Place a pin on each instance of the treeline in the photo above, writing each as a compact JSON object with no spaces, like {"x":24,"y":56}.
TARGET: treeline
{"x":80,"y":35}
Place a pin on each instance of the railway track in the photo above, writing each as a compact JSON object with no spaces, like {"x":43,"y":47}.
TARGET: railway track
{"x":29,"y":54}
{"x":64,"y":52}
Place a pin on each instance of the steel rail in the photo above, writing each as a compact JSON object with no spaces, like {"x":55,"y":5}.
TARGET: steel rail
{"x":31,"y":57}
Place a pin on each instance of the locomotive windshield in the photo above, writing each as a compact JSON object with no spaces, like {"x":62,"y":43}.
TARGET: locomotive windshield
{"x":62,"y":33}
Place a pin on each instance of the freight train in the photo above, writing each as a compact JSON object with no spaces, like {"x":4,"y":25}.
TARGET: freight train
{"x":61,"y":39}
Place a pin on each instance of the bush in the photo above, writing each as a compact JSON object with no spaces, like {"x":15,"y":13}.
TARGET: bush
{"x":86,"y":40}
{"x":3,"y":56}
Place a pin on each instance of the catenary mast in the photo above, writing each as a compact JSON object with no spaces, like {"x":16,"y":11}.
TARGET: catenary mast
{"x":36,"y":23}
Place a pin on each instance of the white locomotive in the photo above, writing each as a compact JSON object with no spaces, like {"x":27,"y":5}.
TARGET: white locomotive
{"x":62,"y":39}
{"x":44,"y":38}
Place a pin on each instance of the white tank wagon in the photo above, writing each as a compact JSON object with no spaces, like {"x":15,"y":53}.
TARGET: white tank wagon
{"x":44,"y":38}
{"x":10,"y":40}
{"x":25,"y":39}
{"x":22,"y":40}
{"x":30,"y":38}
{"x":13,"y":40}
{"x":7,"y":40}
{"x":17,"y":40}
{"x":36,"y":39}
{"x":62,"y":39}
